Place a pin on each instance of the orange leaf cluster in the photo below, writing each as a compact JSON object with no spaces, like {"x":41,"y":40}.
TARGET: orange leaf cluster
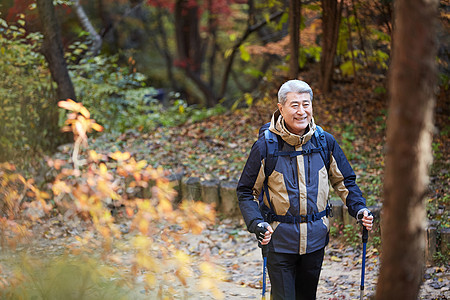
{"x":79,"y":121}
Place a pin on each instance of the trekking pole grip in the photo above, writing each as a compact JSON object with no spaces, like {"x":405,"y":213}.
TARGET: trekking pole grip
{"x":264,"y":250}
{"x":365,"y":234}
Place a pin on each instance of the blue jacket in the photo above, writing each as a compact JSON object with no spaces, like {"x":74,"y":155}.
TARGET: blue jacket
{"x":297,"y":186}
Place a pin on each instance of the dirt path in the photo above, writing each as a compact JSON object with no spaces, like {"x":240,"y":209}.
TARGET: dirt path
{"x":235,"y":255}
{"x":340,"y":278}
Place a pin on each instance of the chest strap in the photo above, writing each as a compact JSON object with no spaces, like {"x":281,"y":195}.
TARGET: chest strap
{"x":271,"y":217}
{"x":297,"y":153}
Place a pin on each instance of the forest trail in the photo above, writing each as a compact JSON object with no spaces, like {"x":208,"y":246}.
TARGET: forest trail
{"x":237,"y":265}
{"x":234,"y":251}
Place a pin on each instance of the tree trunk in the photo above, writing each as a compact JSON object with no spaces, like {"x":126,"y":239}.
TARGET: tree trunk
{"x":53,"y":49}
{"x":350,"y":43}
{"x":412,"y":85}
{"x":331,"y":17}
{"x":87,"y":25}
{"x":190,"y":47}
{"x":294,"y":34}
{"x":189,"y":43}
{"x":360,"y":35}
{"x":164,"y":48}
{"x":212,"y":41}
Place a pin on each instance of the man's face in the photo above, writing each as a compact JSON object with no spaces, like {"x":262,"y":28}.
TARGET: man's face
{"x":297,"y":112}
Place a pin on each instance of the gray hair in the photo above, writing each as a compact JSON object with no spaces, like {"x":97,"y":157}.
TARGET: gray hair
{"x":293,"y":86}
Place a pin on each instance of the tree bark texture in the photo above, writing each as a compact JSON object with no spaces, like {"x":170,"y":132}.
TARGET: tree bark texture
{"x":409,"y":128}
{"x":331,"y":17}
{"x":294,"y":34}
{"x":53,"y":49}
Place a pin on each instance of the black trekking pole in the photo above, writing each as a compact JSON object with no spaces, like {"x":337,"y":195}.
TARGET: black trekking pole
{"x":264,"y":250}
{"x":365,"y":237}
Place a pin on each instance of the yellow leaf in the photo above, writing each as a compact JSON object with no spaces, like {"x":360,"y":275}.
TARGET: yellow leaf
{"x":60,"y":187}
{"x":120,"y":156}
{"x":103,"y":169}
{"x":228,"y":53}
{"x":85,"y":112}
{"x":143,"y":226}
{"x":97,"y":127}
{"x":141,"y":242}
{"x":44,"y":195}
{"x":182,"y":257}
{"x":165,"y":206}
{"x":335,"y":258}
{"x":150,"y":279}
{"x":94,"y":155}
{"x":141,"y":164}
{"x":69,"y":104}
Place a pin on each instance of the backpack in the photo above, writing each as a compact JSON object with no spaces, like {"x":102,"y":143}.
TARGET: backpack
{"x":273,"y":144}
{"x":272,"y":153}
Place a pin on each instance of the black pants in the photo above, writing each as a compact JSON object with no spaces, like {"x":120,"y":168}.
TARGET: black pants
{"x":294,"y":276}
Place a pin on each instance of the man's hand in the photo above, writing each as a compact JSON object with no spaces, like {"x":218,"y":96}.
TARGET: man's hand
{"x":263,"y":233}
{"x":366,"y":219}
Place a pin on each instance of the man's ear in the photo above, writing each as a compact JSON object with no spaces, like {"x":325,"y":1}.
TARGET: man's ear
{"x":280,"y":108}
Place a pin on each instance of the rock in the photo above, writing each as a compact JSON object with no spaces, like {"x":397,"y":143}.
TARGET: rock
{"x":430,"y":249}
{"x":228,"y":199}
{"x":175,"y":183}
{"x":445,"y":241}
{"x":190,"y":189}
{"x":210,"y":192}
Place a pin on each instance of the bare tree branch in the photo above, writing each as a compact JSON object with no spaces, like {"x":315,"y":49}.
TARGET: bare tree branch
{"x":87,"y":25}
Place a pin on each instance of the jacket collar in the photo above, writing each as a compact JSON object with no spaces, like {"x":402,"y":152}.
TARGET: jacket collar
{"x":278,"y":127}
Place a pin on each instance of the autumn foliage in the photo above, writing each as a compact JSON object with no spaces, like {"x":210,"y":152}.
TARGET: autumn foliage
{"x":114,"y":203}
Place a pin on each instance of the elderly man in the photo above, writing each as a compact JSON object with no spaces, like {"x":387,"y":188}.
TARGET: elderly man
{"x":283,"y":192}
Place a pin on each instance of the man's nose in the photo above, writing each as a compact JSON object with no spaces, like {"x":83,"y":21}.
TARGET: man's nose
{"x":301,"y":110}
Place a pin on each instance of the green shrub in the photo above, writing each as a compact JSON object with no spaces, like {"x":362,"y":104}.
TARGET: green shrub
{"x":351,"y":235}
{"x":26,"y":90}
{"x":120,"y":99}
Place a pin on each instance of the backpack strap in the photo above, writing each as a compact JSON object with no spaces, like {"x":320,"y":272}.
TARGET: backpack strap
{"x":321,"y":139}
{"x":271,"y":152}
